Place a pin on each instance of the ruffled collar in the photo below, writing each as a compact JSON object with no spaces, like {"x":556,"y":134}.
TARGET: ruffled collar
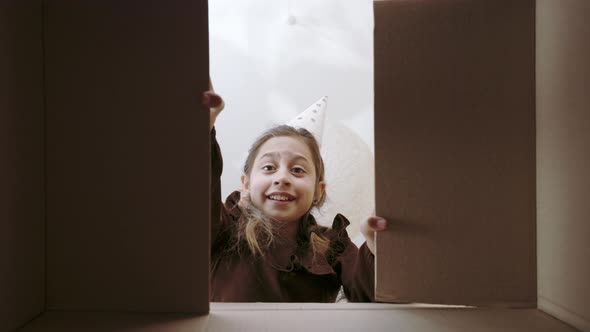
{"x":284,"y":258}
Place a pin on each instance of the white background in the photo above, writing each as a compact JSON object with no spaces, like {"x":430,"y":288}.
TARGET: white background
{"x":270,"y":60}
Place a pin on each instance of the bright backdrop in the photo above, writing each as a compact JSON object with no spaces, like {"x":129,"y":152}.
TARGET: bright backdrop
{"x":270,"y":60}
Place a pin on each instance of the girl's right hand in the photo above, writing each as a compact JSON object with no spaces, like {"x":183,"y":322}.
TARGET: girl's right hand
{"x":214,"y":102}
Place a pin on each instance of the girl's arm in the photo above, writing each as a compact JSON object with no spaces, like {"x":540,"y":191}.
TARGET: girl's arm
{"x":358,"y":264}
{"x":358,"y":273}
{"x":219,"y":214}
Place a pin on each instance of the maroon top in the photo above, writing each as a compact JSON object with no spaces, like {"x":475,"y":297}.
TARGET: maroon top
{"x":282,"y":275}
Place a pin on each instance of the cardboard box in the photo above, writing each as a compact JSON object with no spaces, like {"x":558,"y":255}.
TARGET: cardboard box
{"x":455,"y":152}
{"x":104,"y":190}
{"x":103,"y":138}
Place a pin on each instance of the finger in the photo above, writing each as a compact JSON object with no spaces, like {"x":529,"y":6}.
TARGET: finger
{"x":211,"y":100}
{"x":377,"y":223}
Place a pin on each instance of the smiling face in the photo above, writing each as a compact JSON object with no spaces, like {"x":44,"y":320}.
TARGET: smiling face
{"x":283,"y":180}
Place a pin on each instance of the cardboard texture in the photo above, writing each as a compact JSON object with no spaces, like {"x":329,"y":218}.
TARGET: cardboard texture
{"x":283,"y":317}
{"x":22,"y":224}
{"x":563,"y":161}
{"x":455,"y":151}
{"x":100,"y":126}
{"x":127,"y":147}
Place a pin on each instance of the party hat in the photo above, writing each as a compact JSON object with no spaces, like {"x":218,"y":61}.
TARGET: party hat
{"x":312,"y":119}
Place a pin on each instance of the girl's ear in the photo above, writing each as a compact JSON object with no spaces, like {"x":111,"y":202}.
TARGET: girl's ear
{"x":245,"y":182}
{"x":320,"y":190}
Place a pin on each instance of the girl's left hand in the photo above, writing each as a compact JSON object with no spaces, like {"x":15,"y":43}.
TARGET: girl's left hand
{"x":369,"y":227}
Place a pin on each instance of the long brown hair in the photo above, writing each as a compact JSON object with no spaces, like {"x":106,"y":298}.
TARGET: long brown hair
{"x":256,"y":229}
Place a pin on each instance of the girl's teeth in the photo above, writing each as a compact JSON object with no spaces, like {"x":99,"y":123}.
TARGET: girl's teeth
{"x":279,"y":198}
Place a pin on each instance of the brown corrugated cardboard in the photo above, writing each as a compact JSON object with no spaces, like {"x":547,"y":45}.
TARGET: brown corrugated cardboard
{"x":22,"y":223}
{"x":563,"y":160}
{"x":255,"y":317}
{"x":455,"y":151}
{"x":97,"y":145}
{"x":127,"y":140}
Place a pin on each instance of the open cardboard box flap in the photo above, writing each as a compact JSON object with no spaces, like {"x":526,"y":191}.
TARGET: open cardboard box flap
{"x":102,"y":144}
{"x":455,"y":152}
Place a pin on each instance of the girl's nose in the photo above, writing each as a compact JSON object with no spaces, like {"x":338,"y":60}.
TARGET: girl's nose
{"x":281,"y":178}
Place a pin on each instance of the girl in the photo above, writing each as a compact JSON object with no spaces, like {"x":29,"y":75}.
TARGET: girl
{"x":265,"y":244}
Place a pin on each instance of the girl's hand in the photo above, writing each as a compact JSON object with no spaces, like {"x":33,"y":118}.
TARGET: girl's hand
{"x":214,"y":102}
{"x":368,"y":228}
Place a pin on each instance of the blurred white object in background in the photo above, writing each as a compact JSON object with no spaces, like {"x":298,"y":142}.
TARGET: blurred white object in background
{"x":271,"y":59}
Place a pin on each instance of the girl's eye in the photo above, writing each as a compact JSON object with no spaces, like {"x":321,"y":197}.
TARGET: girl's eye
{"x":298,"y":170}
{"x":268,"y":168}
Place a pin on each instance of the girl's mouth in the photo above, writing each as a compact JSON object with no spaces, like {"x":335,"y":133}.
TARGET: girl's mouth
{"x":281,"y":197}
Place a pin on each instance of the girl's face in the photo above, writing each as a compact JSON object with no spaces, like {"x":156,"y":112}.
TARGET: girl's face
{"x":282,"y":182}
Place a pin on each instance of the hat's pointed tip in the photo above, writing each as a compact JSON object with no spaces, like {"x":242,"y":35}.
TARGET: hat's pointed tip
{"x":312,"y":118}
